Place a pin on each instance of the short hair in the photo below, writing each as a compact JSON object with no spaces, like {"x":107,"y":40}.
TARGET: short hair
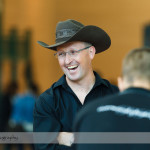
{"x":136,"y":65}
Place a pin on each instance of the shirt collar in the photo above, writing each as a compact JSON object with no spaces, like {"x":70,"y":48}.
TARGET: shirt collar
{"x":98,"y":81}
{"x":61,"y":81}
{"x":136,"y":90}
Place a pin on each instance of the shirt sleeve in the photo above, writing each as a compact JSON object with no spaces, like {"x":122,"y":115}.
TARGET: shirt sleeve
{"x":45,"y":120}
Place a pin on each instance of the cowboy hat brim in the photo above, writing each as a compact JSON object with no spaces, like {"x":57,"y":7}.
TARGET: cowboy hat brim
{"x":91,"y":34}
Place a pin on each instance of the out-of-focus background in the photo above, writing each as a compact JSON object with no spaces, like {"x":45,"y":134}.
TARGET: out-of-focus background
{"x":24,"y":22}
{"x":26,"y":66}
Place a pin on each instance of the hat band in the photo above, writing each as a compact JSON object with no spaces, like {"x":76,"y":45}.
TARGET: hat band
{"x":64,"y":33}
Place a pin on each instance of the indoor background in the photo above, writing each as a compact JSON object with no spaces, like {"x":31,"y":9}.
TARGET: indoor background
{"x":123,"y":20}
{"x":24,"y":22}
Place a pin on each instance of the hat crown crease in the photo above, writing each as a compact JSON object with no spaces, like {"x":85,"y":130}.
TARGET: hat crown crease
{"x":67,"y":29}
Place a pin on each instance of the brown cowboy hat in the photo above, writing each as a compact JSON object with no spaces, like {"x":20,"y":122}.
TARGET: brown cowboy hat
{"x":72,"y":30}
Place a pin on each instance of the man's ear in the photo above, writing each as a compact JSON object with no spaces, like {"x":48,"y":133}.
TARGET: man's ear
{"x":92,"y":52}
{"x":120,"y":84}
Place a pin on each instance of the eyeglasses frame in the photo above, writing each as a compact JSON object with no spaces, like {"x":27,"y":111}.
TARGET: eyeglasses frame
{"x":74,"y":50}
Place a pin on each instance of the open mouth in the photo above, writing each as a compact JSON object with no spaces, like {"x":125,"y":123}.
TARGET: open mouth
{"x":72,"y":67}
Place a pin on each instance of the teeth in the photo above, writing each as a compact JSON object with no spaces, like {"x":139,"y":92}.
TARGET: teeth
{"x":71,"y":67}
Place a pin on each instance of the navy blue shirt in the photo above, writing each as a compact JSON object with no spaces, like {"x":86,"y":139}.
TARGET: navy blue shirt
{"x":121,"y":112}
{"x":57,"y":107}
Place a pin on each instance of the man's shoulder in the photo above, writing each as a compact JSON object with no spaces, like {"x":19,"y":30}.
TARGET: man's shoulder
{"x":108,"y":86}
{"x":50,"y":91}
{"x":47,"y":97}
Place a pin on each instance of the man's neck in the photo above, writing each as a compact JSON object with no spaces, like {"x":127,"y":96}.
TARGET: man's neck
{"x":82,"y":87}
{"x":85,"y":83}
{"x":139,"y":84}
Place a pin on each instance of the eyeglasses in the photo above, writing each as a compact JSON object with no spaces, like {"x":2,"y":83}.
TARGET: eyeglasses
{"x":71,"y":53}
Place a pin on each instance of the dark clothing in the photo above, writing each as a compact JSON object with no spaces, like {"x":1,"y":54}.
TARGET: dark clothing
{"x":56,"y":108}
{"x":123,"y":112}
{"x":5,"y":111}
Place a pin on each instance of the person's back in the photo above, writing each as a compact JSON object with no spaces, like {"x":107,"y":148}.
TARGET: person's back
{"x":126,"y":112}
{"x":119,"y":112}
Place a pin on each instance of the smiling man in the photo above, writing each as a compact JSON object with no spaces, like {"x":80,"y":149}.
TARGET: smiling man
{"x":56,"y":108}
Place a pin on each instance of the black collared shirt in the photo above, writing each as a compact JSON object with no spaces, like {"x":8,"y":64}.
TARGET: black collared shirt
{"x":57,"y":107}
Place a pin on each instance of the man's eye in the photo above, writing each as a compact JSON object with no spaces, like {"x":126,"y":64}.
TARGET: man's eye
{"x":61,"y":54}
{"x":72,"y":52}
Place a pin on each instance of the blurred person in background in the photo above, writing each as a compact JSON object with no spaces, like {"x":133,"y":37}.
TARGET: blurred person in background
{"x":21,"y":118}
{"x":56,"y":108}
{"x":5,"y":104}
{"x":128,"y":111}
{"x":22,"y":108}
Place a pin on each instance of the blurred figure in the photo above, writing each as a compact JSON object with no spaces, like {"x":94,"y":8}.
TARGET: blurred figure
{"x":128,"y":111}
{"x":22,"y":109}
{"x":21,"y":118}
{"x":5,"y":104}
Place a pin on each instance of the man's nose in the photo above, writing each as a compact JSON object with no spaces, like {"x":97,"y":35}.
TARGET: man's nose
{"x":68,"y":58}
